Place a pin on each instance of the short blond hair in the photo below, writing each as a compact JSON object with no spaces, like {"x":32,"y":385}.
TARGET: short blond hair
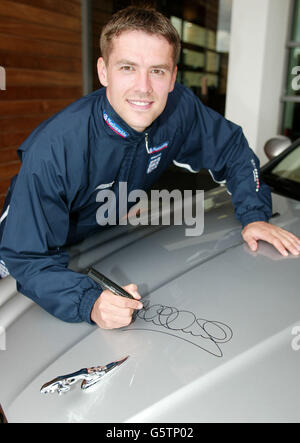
{"x":139,"y":19}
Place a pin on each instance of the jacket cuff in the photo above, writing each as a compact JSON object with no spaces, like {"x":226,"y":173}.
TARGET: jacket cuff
{"x":87,"y":302}
{"x":253,"y":216}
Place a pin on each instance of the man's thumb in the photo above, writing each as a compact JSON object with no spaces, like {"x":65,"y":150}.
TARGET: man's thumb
{"x":252,"y":245}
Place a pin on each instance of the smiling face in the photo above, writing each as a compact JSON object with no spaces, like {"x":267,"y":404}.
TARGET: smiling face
{"x":138,"y":75}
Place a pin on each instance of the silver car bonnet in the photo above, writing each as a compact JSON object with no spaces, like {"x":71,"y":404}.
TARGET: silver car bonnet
{"x":215,"y":343}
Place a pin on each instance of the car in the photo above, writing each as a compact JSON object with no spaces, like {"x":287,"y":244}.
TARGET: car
{"x":218,"y":338}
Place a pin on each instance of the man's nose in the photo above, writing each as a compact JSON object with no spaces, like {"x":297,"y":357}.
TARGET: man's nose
{"x":143,"y":83}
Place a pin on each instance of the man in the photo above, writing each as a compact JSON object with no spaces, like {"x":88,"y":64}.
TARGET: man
{"x":112,"y":136}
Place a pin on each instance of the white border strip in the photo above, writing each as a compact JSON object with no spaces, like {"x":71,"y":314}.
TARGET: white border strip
{"x":184,"y":165}
{"x":4,"y":215}
{"x":223,"y":182}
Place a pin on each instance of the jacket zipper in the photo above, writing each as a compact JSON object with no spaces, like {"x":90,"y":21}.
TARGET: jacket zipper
{"x":147,"y":142}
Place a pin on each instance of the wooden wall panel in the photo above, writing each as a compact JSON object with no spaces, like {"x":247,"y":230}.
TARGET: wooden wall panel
{"x":40,"y":15}
{"x":40,"y":49}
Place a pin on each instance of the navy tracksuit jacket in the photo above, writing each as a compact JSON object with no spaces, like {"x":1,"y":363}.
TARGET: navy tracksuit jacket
{"x":52,"y":202}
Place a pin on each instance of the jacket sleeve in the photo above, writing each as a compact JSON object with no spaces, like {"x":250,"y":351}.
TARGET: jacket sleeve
{"x":218,"y":145}
{"x":36,"y":228}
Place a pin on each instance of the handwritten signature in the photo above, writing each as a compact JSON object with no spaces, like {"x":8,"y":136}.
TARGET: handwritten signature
{"x":204,"y":334}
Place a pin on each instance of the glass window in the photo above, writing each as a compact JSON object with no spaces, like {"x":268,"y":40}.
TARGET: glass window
{"x":212,"y":80}
{"x":192,"y":79}
{"x":211,"y":39}
{"x":194,"y":34}
{"x":293,"y":83}
{"x":177,"y":23}
{"x":291,"y":120}
{"x":289,"y":167}
{"x":224,"y":24}
{"x":205,"y":34}
{"x":199,"y":80}
{"x":212,"y":61}
{"x":193,"y":58}
{"x":291,"y":96}
{"x":296,"y":27}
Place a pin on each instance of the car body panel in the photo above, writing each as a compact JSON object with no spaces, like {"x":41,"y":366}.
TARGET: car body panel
{"x":220,"y":349}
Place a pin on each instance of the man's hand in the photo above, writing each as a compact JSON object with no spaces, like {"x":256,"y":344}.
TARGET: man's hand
{"x":281,"y":239}
{"x":112,"y":311}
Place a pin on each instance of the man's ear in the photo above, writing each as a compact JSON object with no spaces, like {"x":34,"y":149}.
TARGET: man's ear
{"x":173,"y":80}
{"x":102,"y":71}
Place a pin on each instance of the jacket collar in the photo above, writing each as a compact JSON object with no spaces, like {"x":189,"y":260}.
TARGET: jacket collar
{"x":115,"y":124}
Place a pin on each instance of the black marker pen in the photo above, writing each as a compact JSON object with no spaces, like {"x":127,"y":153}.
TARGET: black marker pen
{"x":108,"y":284}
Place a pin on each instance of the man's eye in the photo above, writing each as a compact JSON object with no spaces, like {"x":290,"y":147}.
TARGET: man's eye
{"x":126,"y":68}
{"x":158,"y":71}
